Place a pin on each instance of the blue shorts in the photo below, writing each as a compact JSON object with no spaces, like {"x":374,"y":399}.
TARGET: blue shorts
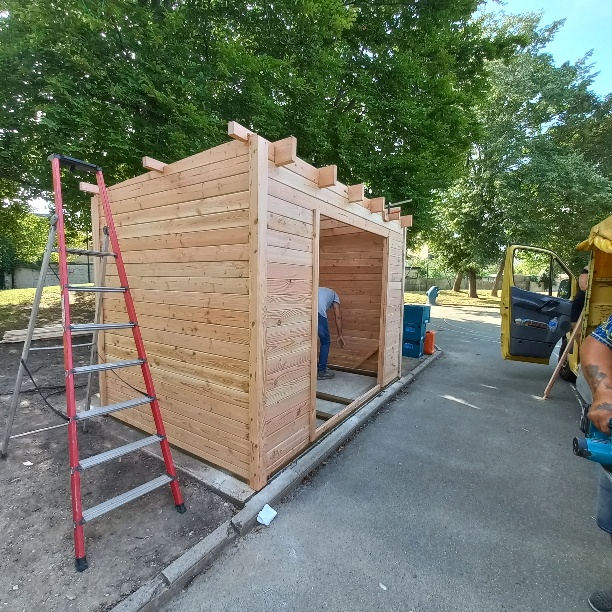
{"x":603,"y":517}
{"x":603,"y":333}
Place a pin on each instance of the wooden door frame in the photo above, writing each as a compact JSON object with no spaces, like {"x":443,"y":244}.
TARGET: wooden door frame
{"x":317,"y":432}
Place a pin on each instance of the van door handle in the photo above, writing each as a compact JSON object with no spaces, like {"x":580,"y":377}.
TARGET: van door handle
{"x":549,"y":305}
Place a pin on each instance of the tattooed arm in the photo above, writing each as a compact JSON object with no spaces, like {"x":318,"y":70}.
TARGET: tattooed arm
{"x":596,"y":360}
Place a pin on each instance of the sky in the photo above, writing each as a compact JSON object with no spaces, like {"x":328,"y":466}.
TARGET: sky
{"x":588,"y":25}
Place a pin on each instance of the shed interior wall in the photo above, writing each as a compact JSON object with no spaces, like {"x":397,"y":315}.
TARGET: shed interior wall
{"x":351,"y":263}
{"x":184,"y":238}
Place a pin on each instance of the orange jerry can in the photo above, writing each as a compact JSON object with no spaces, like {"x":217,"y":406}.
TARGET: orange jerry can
{"x":429,"y":347}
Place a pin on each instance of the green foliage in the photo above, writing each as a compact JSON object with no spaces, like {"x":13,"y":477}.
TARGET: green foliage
{"x":525,"y":181}
{"x":384,"y":90}
{"x":23,"y":237}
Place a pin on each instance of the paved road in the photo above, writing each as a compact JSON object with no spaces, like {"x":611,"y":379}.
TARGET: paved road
{"x":462,"y":495}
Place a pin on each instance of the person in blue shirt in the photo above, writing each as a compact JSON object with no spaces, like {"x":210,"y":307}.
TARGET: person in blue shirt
{"x":327,"y":299}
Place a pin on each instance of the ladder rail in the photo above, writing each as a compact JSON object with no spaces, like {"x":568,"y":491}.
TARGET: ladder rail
{"x":93,"y":355}
{"x":29,"y":334}
{"x":73,"y":447}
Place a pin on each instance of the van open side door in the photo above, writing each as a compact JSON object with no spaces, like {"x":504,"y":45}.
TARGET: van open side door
{"x":535,"y":305}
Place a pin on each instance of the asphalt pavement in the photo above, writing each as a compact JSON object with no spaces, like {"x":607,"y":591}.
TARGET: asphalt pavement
{"x":461,"y":495}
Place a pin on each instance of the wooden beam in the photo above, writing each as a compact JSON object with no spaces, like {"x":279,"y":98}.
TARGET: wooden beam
{"x":406,"y":220}
{"x":238,"y":132}
{"x":331,"y":423}
{"x":377,"y":205}
{"x":392,"y":214}
{"x":356,"y":193}
{"x":148,"y":163}
{"x":89,"y":188}
{"x":365,"y":357}
{"x":324,"y":416}
{"x":316,"y":235}
{"x":258,"y":214}
{"x":336,"y":399}
{"x":352,"y":370}
{"x":328,"y":176}
{"x":285,"y":151}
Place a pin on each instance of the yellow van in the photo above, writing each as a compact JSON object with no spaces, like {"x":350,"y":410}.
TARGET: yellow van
{"x":536,"y":309}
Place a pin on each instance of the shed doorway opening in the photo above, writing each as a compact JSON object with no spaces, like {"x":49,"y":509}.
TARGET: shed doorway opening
{"x":351,"y":263}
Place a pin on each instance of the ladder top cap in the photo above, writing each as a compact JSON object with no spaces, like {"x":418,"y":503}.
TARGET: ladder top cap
{"x":75,"y":164}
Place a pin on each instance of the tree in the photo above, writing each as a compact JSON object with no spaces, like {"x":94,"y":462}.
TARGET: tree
{"x":23,"y":238}
{"x":384,"y":90}
{"x":522,"y":182}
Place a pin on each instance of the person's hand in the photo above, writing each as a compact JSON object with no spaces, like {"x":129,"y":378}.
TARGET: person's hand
{"x":340,"y":341}
{"x":600,"y":417}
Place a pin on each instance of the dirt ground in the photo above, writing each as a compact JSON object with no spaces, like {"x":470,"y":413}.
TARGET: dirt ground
{"x":125,"y":547}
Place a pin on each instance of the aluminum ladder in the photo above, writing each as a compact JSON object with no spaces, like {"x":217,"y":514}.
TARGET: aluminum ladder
{"x":77,"y":465}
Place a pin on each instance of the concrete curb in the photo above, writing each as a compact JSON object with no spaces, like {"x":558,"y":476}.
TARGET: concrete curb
{"x":158,"y":591}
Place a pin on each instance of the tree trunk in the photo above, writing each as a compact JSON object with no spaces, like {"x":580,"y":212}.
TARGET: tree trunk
{"x":472,"y":281}
{"x":498,"y":278}
{"x":458,"y":281}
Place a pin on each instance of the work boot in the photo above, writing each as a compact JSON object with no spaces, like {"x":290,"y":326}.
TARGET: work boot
{"x":325,"y":375}
{"x":601,"y":601}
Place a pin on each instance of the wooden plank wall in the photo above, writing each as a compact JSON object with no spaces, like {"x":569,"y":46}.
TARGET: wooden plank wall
{"x":184,"y":235}
{"x":289,"y":337}
{"x":351,"y":263}
{"x":390,"y":361}
{"x":296,"y":206}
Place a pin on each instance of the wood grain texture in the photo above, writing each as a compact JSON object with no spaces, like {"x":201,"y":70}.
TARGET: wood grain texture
{"x":289,"y":338}
{"x":184,"y":236}
{"x":352,"y":265}
{"x":258,"y":214}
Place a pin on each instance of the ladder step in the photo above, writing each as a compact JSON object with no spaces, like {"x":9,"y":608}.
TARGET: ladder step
{"x":90,"y":253}
{"x":58,"y":346}
{"x":115,"y":365}
{"x":118,"y":452}
{"x":99,"y":326}
{"x":102,"y":410}
{"x":124,"y":498}
{"x":96,"y":289}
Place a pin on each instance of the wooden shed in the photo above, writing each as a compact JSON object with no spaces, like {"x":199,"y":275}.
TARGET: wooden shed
{"x":225,"y":251}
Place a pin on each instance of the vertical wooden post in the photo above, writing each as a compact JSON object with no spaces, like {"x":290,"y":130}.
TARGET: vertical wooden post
{"x":96,"y":245}
{"x":401,"y":328}
{"x":382,"y":342}
{"x":258,"y":214}
{"x":316,"y":232}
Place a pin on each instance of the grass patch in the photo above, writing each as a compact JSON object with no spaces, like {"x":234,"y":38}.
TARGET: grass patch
{"x":16,"y":306}
{"x":454,"y":298}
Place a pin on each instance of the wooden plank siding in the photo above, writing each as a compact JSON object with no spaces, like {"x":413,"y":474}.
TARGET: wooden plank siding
{"x":224,"y":252}
{"x":289,"y":337}
{"x":390,"y":366}
{"x":184,"y":237}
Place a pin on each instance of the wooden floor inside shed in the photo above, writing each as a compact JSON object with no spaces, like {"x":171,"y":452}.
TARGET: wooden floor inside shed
{"x":346,"y":386}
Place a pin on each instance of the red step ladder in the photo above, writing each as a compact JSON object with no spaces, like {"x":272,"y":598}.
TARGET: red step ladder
{"x":77,"y":465}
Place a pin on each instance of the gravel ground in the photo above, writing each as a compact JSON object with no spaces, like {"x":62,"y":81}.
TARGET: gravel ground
{"x":124,"y":547}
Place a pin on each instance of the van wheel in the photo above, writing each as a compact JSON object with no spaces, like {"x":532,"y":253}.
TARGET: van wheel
{"x":566,"y":372}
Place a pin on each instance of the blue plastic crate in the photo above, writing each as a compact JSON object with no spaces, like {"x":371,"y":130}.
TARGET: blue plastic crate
{"x":414,"y":331}
{"x":412,"y":348}
{"x":417,"y":313}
